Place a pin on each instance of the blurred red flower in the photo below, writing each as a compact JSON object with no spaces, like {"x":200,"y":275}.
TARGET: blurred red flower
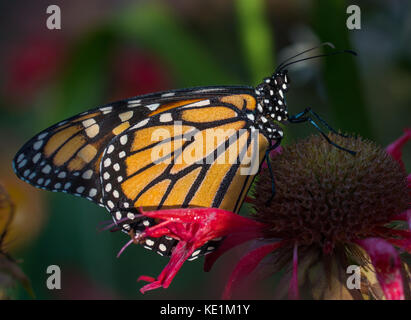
{"x":136,"y":73}
{"x":29,"y":65}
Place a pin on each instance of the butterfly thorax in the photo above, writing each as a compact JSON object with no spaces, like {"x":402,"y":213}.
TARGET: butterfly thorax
{"x":271,"y":104}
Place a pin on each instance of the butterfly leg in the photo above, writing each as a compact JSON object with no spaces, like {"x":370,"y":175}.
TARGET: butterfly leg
{"x":302,"y":117}
{"x":268,"y":160}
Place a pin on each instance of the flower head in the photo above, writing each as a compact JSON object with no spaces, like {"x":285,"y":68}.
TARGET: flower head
{"x":326,"y":197}
{"x":335,"y":209}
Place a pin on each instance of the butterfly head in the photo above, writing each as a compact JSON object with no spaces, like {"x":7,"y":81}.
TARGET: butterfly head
{"x":271,"y":104}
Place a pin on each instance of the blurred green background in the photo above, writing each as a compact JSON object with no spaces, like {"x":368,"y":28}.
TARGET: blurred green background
{"x":109,"y":50}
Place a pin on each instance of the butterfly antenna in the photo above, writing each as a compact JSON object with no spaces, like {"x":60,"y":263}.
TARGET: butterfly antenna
{"x":329,"y":44}
{"x":319,"y":56}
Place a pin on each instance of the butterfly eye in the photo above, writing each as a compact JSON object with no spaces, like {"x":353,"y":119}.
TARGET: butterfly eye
{"x":279,"y":81}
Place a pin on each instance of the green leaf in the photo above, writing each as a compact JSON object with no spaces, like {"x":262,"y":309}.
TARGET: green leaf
{"x":343,"y":83}
{"x":84,"y":79}
{"x":153,"y":26}
{"x":257,"y":38}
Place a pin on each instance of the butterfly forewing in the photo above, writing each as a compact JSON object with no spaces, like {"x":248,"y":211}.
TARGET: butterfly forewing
{"x":151,"y":151}
{"x":66,"y":157}
{"x":181,"y":157}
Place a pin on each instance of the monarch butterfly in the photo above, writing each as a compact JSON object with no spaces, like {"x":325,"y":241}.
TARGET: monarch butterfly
{"x":106,"y":154}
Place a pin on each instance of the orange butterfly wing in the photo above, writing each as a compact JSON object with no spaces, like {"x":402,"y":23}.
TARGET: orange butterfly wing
{"x":197,"y":155}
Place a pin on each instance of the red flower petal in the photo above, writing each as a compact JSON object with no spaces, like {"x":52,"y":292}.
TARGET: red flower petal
{"x":193,"y":227}
{"x":384,"y":232}
{"x":404,"y":244}
{"x":247,"y":264}
{"x":180,"y":254}
{"x":395,"y":148}
{"x":404,"y":216}
{"x":228,"y":243}
{"x":387,"y":265}
{"x":293,"y":293}
{"x":402,"y":237}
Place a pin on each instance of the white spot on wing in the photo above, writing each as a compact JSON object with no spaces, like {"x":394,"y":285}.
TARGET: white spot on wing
{"x":106,"y":109}
{"x":153,"y":106}
{"x":87,"y":174}
{"x":62,"y":175}
{"x":92,"y":192}
{"x":93,"y":130}
{"x":36,"y":157}
{"x":125,"y":116}
{"x":37,"y":145}
{"x":140,"y":124}
{"x":46,"y":169}
{"x":166,"y":117}
{"x":43,"y":135}
{"x":88,"y":122}
{"x":168,"y":94}
{"x":123,"y":139}
{"x":22,"y":163}
{"x":107,"y":162}
{"x":20,"y":157}
{"x":198,"y":104}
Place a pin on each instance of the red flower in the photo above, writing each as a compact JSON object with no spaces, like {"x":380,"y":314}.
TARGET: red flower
{"x":30,"y":66}
{"x":193,"y":228}
{"x":374,"y":234}
{"x":136,"y":73}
